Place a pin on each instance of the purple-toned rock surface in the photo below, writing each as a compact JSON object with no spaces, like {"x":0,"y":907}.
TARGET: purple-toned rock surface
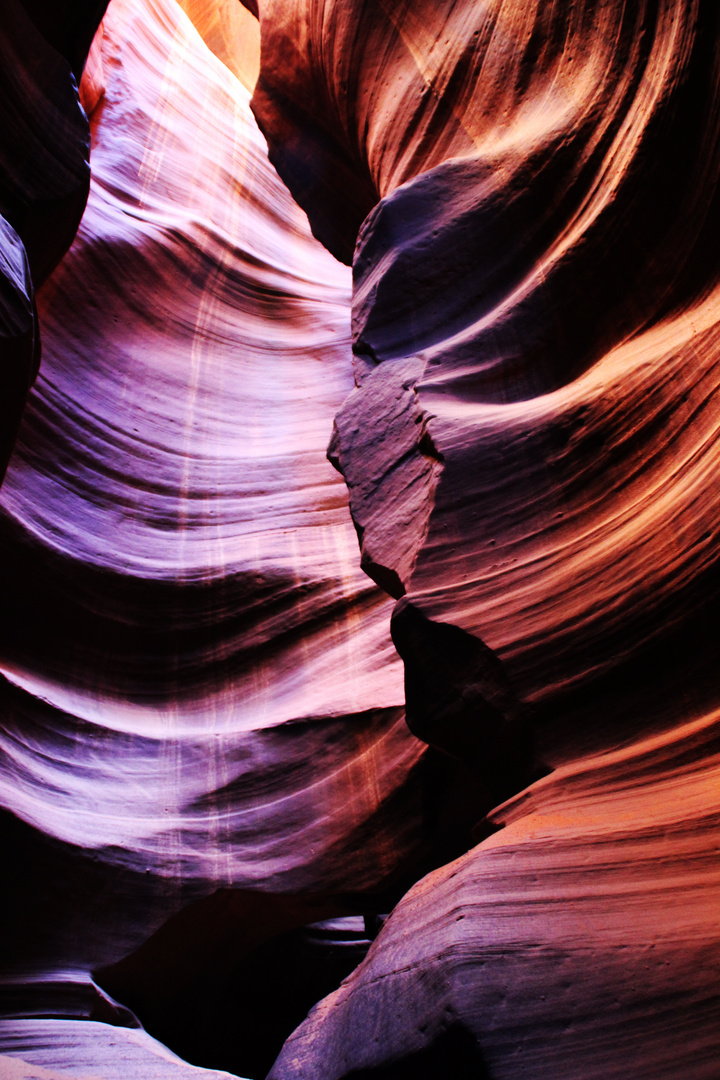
{"x":199,"y":689}
{"x":58,"y":1049}
{"x":532,"y":457}
{"x":180,"y":568}
{"x":217,"y":774}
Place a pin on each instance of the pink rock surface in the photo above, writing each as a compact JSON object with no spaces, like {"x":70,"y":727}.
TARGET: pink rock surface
{"x":579,"y":941}
{"x":55,"y":1049}
{"x":171,"y":466}
{"x":535,"y":323}
{"x":541,"y":261}
{"x":199,"y":690}
{"x":200,"y":699}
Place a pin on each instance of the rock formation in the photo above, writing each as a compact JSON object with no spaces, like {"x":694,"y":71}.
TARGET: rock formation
{"x":217,"y":773}
{"x":535,"y":315}
{"x":199,"y":690}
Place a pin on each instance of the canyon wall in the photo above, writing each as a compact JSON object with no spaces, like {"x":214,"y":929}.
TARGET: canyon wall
{"x":198,"y":687}
{"x":532,"y":231}
{"x":327,"y":593}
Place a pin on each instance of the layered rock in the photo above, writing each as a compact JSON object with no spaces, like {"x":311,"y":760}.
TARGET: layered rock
{"x":31,"y":1050}
{"x":205,"y":765}
{"x":532,"y":456}
{"x":541,"y":263}
{"x":178,"y":555}
{"x":581,"y":940}
{"x":199,"y":690}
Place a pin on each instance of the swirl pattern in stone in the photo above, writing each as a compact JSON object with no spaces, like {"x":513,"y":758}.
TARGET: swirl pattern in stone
{"x":198,"y":686}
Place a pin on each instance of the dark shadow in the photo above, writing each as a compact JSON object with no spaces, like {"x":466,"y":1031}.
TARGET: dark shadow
{"x":455,"y":1053}
{"x":205,"y":989}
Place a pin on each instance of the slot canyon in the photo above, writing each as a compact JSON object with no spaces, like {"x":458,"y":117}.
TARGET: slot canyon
{"x":359,"y":541}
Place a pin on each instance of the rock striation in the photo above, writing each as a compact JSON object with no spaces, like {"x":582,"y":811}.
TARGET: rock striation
{"x":176,"y":545}
{"x":217,"y":775}
{"x":539,"y":271}
{"x":531,"y":452}
{"x":580,"y":940}
{"x":199,"y":692}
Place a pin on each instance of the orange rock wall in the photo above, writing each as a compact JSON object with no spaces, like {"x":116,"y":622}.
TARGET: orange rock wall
{"x":214,"y":765}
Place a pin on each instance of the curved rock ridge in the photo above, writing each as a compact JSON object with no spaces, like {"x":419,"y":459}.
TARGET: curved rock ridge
{"x":556,"y":105}
{"x":580,"y":940}
{"x":537,"y":248}
{"x":198,"y":679}
{"x":204,"y":757}
{"x":87,"y":1050}
{"x":531,"y":450}
{"x":574,"y":533}
{"x":582,"y":525}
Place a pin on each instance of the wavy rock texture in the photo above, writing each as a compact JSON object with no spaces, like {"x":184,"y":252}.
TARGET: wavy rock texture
{"x":205,"y":767}
{"x":179,"y":558}
{"x":580,"y":941}
{"x":32,"y":1048}
{"x":199,"y":690}
{"x":528,"y":194}
{"x":544,"y":260}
